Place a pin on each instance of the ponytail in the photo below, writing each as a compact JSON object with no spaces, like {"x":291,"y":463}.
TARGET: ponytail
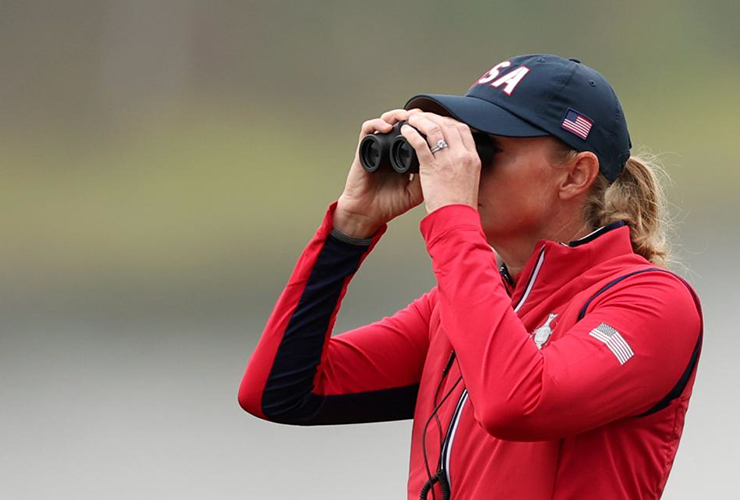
{"x":635,"y":197}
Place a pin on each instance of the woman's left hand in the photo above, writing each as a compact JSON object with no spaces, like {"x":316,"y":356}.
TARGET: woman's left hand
{"x":452,"y":174}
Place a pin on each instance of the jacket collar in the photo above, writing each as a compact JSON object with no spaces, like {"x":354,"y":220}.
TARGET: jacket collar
{"x":595,"y":234}
{"x":553,"y":265}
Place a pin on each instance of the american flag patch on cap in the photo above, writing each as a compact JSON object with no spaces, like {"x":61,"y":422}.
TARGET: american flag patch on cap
{"x":614,"y":341}
{"x":577,"y":123}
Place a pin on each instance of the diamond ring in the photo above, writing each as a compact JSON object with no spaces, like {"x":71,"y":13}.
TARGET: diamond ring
{"x":441,"y":144}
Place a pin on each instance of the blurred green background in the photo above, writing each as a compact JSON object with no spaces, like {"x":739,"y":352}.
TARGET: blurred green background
{"x":165,"y":161}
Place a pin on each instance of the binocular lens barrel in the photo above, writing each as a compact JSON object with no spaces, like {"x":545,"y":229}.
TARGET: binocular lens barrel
{"x":393,"y":151}
{"x":403,"y":156}
{"x":386,"y":151}
{"x":374,"y":151}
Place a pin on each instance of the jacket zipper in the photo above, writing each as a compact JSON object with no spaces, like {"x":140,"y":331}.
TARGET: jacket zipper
{"x":450,"y":437}
{"x":446,"y":450}
{"x":532,"y":279}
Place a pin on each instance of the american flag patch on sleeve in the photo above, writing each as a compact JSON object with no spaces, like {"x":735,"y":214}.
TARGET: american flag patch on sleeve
{"x":614,"y":341}
{"x":577,"y":123}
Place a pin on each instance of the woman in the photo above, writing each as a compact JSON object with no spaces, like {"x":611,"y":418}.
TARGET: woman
{"x":558,"y":367}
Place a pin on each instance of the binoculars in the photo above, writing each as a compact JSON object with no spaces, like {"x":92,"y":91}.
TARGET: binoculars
{"x":393,"y":151}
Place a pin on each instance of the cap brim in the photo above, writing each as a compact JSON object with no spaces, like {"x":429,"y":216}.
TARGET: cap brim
{"x":476,"y":113}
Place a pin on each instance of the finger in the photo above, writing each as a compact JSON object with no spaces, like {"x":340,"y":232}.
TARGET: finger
{"x":395,"y":115}
{"x":433,"y":131}
{"x":467,"y":136}
{"x":435,"y":128}
{"x":375,"y":125}
{"x":452,"y":130}
{"x":413,"y":189}
{"x":418,"y":143}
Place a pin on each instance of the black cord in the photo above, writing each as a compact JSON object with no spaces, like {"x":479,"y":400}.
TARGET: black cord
{"x":436,"y":417}
{"x":432,"y":479}
{"x":445,"y":371}
{"x":442,"y":480}
{"x":436,"y":394}
{"x":443,"y":436}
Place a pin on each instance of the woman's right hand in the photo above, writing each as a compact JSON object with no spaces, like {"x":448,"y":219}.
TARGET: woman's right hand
{"x":370,"y":200}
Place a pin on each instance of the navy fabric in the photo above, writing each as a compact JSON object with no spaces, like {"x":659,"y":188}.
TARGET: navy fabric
{"x":552,"y":89}
{"x":591,"y":237}
{"x":287,"y":396}
{"x":373,"y":406}
{"x":479,"y":114}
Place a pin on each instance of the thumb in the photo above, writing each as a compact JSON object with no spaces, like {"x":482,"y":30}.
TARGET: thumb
{"x":413,"y":189}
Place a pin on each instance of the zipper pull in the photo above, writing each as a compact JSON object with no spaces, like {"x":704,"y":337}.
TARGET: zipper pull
{"x":506,"y":278}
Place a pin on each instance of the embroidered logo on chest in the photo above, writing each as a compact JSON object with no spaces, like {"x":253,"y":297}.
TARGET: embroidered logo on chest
{"x":542,"y":334}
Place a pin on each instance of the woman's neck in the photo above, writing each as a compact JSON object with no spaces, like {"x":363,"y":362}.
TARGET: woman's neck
{"x":516,"y":251}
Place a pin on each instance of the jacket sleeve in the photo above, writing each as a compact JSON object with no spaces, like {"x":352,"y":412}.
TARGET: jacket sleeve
{"x":300,"y":374}
{"x":577,"y":382}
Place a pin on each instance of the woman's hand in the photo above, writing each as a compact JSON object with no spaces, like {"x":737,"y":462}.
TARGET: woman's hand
{"x":451,"y":175}
{"x":370,"y":200}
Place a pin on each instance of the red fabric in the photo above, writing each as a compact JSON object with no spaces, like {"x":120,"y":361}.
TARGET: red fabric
{"x":552,"y":423}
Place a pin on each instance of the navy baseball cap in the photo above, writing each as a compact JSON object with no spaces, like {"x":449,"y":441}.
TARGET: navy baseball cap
{"x":539,"y":95}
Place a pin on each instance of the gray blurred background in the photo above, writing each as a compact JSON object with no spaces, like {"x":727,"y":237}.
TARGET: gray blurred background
{"x":164,"y":163}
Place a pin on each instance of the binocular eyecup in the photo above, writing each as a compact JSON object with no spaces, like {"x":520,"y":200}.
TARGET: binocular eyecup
{"x":391,"y":151}
{"x":388,"y":151}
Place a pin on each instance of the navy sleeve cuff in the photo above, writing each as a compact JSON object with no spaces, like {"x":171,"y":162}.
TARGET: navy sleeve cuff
{"x":363,"y":242}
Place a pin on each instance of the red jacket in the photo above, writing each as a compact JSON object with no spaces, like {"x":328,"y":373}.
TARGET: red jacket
{"x":573,"y":383}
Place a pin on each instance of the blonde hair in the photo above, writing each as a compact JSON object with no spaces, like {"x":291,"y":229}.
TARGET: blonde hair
{"x":636,"y":197}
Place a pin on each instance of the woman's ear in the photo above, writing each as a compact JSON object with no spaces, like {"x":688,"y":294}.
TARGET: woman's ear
{"x":581,"y":171}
